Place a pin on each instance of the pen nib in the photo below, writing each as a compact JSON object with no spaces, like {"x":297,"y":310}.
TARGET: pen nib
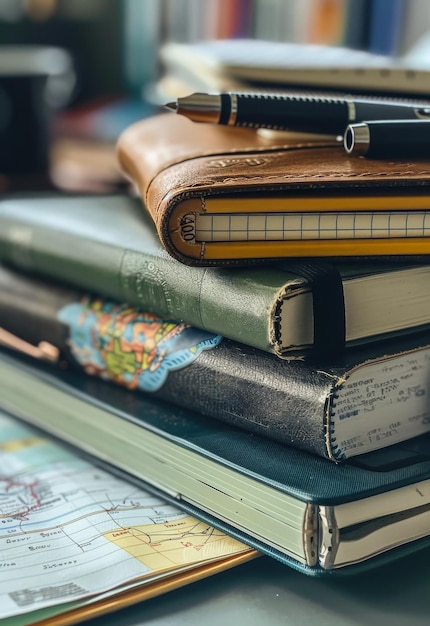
{"x":171,"y":105}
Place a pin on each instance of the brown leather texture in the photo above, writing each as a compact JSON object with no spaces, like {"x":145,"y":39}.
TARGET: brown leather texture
{"x":170,"y":158}
{"x":168,"y":154}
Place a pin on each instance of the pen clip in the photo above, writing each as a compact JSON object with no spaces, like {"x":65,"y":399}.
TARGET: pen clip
{"x":44,"y":350}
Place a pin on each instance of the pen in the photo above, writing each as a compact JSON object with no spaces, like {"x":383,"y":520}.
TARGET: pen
{"x":388,"y":138}
{"x":318,"y":114}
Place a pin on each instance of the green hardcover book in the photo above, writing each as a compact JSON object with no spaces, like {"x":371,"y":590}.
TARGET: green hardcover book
{"x":299,"y":508}
{"x":108,"y":245}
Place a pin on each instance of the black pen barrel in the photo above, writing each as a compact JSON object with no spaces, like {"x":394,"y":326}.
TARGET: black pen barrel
{"x":362,"y":110}
{"x":281,"y":112}
{"x":295,"y":112}
{"x":389,"y":139}
{"x":313,"y":114}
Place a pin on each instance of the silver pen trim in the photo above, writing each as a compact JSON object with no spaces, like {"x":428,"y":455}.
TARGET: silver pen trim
{"x":233,"y":112}
{"x":422,"y":113}
{"x":352,"y":111}
{"x":356,"y":139}
{"x":200,"y":107}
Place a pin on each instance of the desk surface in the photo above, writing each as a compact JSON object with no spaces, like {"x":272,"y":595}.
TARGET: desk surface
{"x":265,"y":592}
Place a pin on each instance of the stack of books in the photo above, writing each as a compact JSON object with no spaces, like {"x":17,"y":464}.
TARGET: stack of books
{"x":276,"y":389}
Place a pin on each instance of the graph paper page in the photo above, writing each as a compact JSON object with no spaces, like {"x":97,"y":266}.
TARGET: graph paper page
{"x":312,"y":226}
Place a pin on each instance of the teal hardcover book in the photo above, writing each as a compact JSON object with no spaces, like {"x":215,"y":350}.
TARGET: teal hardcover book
{"x":305,"y":511}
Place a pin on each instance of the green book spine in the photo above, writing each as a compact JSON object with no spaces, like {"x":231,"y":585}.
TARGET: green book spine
{"x":107,"y":245}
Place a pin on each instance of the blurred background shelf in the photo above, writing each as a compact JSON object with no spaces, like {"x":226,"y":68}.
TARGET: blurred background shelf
{"x":119,"y":75}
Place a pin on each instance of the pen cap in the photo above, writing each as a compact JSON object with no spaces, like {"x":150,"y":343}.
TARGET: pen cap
{"x":388,"y":138}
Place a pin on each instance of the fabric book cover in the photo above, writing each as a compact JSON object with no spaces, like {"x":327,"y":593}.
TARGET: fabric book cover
{"x":307,"y":512}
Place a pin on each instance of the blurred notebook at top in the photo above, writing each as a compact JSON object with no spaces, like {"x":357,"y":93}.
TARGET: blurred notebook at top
{"x":241,"y":64}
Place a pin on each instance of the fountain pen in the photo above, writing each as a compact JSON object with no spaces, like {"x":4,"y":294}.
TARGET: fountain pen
{"x":317,"y":114}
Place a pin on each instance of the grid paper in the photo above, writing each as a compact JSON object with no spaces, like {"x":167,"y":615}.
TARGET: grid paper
{"x":312,"y":226}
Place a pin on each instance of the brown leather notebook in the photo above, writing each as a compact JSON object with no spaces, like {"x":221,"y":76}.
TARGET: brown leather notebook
{"x":223,"y":195}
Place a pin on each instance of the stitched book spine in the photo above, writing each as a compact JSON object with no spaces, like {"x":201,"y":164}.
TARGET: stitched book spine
{"x":106,"y":244}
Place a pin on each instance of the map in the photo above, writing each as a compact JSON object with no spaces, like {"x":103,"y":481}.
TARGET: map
{"x":70,"y":530}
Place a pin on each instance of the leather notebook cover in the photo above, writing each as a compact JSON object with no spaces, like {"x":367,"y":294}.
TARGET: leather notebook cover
{"x":228,"y":195}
